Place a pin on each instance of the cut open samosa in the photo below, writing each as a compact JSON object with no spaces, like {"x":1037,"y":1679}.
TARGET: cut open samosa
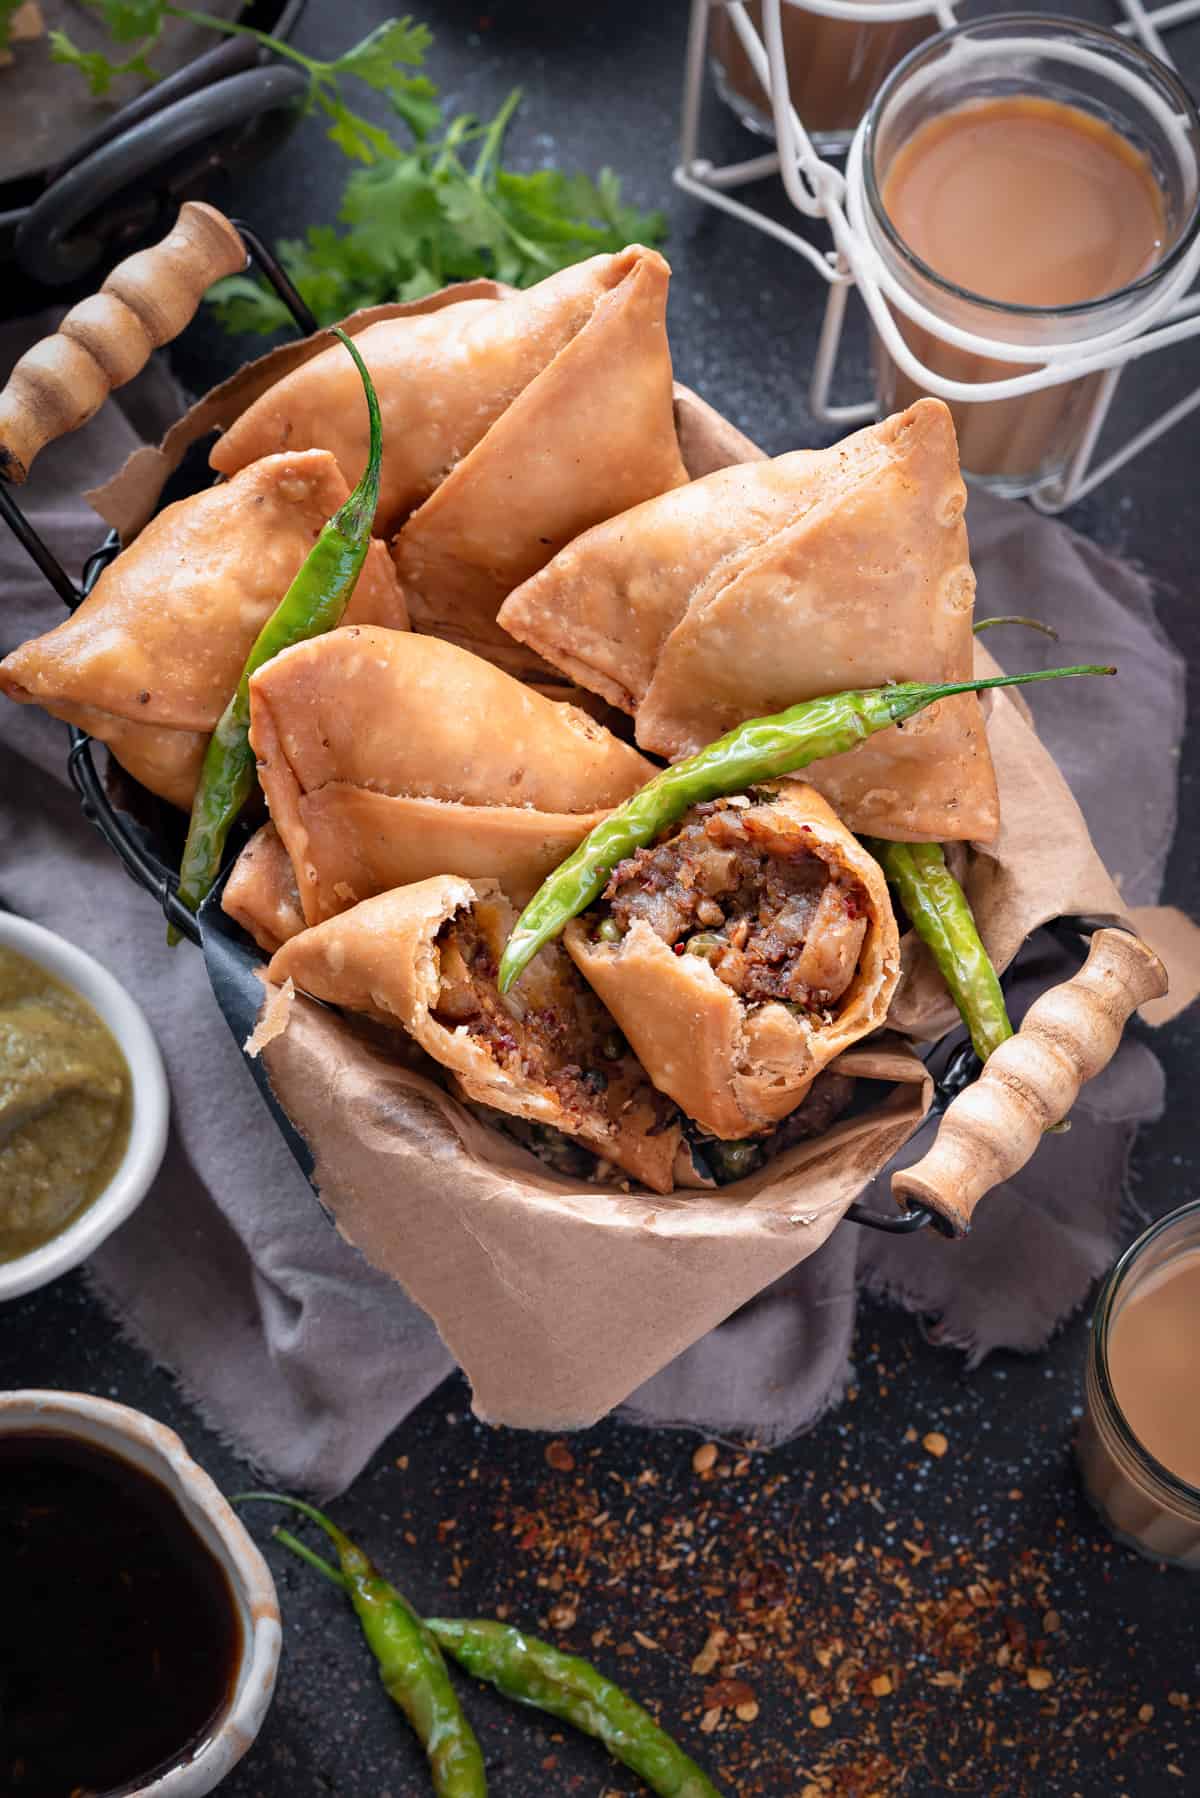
{"x":773,"y":582}
{"x":152,"y":656}
{"x":742,"y":952}
{"x":388,"y":757}
{"x":509,"y":425}
{"x":425,"y":957}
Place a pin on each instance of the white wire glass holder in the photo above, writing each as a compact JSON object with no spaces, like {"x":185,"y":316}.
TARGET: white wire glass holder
{"x":818,"y":189}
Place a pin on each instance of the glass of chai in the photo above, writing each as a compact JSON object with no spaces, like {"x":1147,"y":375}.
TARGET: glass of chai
{"x":1139,"y":1443}
{"x":834,"y":66}
{"x":1034,"y":182}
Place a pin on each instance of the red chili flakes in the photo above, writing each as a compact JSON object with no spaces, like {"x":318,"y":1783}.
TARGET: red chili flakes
{"x":904,"y":1661}
{"x":728,"y":1692}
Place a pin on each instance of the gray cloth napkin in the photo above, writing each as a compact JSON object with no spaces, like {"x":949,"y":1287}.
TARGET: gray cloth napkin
{"x":302,"y":1356}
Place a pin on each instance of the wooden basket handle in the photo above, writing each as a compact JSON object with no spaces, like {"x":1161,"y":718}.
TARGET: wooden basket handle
{"x":1031,"y":1081}
{"x":105,"y":340}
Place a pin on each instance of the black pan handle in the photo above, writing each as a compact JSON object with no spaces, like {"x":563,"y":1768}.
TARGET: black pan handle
{"x":54,"y":245}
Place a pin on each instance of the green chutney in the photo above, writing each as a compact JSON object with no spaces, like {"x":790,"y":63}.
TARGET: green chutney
{"x":65,"y":1103}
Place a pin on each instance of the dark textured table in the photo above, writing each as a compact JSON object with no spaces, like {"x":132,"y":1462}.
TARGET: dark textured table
{"x":884,"y":1604}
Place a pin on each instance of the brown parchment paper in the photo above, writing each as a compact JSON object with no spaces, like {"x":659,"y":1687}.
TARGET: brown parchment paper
{"x":559,"y":1298}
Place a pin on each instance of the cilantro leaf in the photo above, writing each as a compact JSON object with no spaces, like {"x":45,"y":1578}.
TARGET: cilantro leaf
{"x":99,"y":72}
{"x":246,"y":305}
{"x":415,"y":215}
{"x":128,"y":20}
{"x":392,"y":210}
{"x":414,"y":99}
{"x":355,"y":136}
{"x":419,"y":283}
{"x":374,"y":59}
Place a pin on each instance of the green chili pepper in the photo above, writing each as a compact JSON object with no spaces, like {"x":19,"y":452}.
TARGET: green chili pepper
{"x":759,"y":750}
{"x":940,"y":914}
{"x":313,"y":604}
{"x":537,"y":1674}
{"x":410,"y":1661}
{"x":1031,"y":624}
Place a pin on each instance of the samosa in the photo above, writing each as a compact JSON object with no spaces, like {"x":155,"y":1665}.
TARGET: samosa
{"x":772,"y":582}
{"x":152,"y":656}
{"x":509,"y":426}
{"x":425,"y":957}
{"x":742,"y":952}
{"x":387,"y":757}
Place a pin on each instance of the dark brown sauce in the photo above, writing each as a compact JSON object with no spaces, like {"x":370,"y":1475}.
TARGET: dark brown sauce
{"x":119,"y":1635}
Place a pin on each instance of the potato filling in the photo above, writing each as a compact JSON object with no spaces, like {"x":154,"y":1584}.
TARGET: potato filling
{"x":551,"y":1031}
{"x":737,"y":885}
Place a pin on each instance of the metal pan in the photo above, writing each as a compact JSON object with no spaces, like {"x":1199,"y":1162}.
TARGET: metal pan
{"x":83,"y":181}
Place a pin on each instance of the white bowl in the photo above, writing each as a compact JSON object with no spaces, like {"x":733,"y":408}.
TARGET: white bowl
{"x":148,"y":1123}
{"x":158,"y":1451}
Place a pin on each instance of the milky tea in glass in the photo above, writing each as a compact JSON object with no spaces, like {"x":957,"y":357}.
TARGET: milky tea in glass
{"x":1139,"y":1443}
{"x":834,"y":67}
{"x":1032,"y":183}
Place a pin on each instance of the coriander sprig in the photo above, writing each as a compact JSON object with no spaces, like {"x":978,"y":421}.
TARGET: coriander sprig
{"x":416,"y":214}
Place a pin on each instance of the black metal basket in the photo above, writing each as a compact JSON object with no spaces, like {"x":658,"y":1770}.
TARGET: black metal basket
{"x":141,"y":839}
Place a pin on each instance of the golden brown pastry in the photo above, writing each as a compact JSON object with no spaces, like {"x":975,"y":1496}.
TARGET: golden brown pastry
{"x":593,"y":435}
{"x":509,"y":425}
{"x":152,"y":656}
{"x":773,"y":582}
{"x":425,"y":957}
{"x":742,"y":952}
{"x":387,"y":757}
{"x":261,"y":893}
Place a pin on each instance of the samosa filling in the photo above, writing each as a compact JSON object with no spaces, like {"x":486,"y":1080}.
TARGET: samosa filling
{"x":732,"y":883}
{"x":552,"y":1031}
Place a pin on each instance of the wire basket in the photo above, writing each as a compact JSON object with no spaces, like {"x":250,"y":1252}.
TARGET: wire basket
{"x":147,"y":837}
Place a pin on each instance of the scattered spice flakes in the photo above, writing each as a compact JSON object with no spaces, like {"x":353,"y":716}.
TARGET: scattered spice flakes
{"x":707,"y":1659}
{"x":934,"y":1443}
{"x":808,"y":1638}
{"x":559,"y":1456}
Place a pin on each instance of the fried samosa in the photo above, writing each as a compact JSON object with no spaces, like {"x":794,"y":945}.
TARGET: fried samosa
{"x":261,"y":893}
{"x":425,"y":956}
{"x":776,"y":581}
{"x":509,"y":425}
{"x":742,"y":952}
{"x":388,"y":757}
{"x":152,"y":656}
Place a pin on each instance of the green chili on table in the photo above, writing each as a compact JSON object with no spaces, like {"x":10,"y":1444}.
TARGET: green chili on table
{"x":538,"y":1674}
{"x":313,"y":604}
{"x":760,"y":750}
{"x":939,"y":912}
{"x":410,"y":1662}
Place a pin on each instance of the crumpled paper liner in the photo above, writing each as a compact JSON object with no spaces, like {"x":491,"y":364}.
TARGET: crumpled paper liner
{"x":557,"y":1298}
{"x":560,"y":1298}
